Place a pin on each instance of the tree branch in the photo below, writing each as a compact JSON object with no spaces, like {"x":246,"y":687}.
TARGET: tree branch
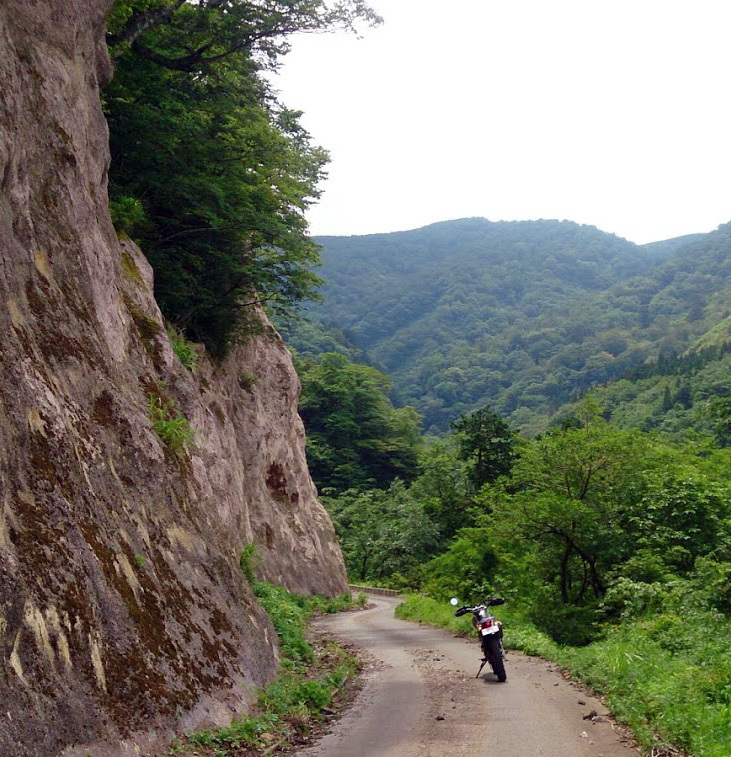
{"x":141,"y":21}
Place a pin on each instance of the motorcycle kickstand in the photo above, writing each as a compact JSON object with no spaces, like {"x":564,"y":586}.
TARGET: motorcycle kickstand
{"x":484,"y":662}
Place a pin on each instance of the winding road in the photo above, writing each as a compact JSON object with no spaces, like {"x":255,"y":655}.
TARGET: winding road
{"x":421,"y":698}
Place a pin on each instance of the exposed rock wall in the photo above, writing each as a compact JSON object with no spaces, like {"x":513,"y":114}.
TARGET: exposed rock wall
{"x":123,"y":613}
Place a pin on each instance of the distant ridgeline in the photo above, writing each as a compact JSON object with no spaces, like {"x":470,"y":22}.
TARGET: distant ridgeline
{"x":525,"y":316}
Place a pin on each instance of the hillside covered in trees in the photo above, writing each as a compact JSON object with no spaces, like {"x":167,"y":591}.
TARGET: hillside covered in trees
{"x":525,"y":316}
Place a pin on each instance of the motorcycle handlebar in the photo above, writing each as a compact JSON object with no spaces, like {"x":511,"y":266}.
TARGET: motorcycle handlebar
{"x":487,"y":603}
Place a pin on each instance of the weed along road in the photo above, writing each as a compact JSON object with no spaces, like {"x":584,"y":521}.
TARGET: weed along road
{"x":421,"y":698}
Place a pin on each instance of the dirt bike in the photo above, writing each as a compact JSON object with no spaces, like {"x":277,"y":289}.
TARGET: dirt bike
{"x":490,"y":630}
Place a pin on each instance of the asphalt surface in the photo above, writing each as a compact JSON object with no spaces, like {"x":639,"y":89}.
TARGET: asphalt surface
{"x":421,"y":698}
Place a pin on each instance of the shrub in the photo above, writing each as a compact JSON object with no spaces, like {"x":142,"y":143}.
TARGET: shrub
{"x":247,"y":381}
{"x":465,"y":569}
{"x":184,"y":350}
{"x":248,"y":562}
{"x":127,"y":213}
{"x":169,"y":424}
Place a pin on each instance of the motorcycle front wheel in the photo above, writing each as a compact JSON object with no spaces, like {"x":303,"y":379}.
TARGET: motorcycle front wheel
{"x":493,"y":652}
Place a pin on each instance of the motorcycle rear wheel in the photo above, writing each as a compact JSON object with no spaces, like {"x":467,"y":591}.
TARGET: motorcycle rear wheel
{"x":493,"y":652}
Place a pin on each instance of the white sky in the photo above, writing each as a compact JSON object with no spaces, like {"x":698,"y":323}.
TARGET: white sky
{"x":614,"y":113}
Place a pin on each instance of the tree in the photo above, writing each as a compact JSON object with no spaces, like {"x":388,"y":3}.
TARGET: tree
{"x":466,"y":568}
{"x":720,"y":409}
{"x":382,"y":531}
{"x":487,"y":444}
{"x":442,"y":487}
{"x":221,"y":173}
{"x":199,"y":35}
{"x":356,"y":439}
{"x":568,"y":496}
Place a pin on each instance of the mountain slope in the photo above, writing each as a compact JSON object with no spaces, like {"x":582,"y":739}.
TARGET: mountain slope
{"x":521,"y":315}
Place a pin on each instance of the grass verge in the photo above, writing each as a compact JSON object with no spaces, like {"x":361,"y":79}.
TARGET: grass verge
{"x":668,"y":678}
{"x":287,"y":710}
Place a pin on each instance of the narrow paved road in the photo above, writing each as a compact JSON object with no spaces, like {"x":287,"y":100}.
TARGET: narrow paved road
{"x":421,"y":698}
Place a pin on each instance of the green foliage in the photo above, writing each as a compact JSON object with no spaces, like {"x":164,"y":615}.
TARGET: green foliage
{"x":527,"y":316}
{"x":248,"y":562}
{"x":720,"y":410}
{"x":211,"y":33}
{"x":568,"y":496}
{"x":591,"y":512}
{"x":356,"y":439}
{"x":466,"y":569}
{"x":247,"y":380}
{"x":487,"y":444}
{"x":211,"y":174}
{"x":666,"y":674}
{"x":184,"y":350}
{"x":127,"y":214}
{"x":313,"y":339}
{"x":140,"y":561}
{"x":169,"y":424}
{"x":382,"y":532}
{"x":442,"y":487}
{"x":288,"y":617}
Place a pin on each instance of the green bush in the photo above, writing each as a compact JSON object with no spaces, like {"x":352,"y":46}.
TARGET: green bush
{"x":127,"y":214}
{"x":247,"y":380}
{"x":248,"y":562}
{"x":169,"y":424}
{"x":183,"y":349}
{"x":288,"y":618}
{"x":465,"y":570}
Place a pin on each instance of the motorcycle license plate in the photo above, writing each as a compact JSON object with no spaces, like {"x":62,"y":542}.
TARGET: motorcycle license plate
{"x":488,"y":631}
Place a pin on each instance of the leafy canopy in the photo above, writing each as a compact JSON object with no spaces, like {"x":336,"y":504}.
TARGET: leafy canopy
{"x":487,"y":444}
{"x":356,"y":439}
{"x":209,"y":172}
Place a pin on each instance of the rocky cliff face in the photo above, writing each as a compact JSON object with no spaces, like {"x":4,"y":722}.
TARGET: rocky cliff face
{"x":123,"y":612}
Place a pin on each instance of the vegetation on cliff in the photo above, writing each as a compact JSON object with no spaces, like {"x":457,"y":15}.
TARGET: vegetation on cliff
{"x":210,"y":173}
{"x":312,"y":673}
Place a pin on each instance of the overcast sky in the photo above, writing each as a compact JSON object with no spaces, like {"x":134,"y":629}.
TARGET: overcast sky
{"x":614,"y":113}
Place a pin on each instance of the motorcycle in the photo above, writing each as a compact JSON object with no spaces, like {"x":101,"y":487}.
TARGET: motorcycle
{"x":490,"y":630}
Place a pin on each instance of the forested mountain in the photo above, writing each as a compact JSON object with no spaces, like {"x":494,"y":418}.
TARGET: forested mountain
{"x":521,"y":315}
